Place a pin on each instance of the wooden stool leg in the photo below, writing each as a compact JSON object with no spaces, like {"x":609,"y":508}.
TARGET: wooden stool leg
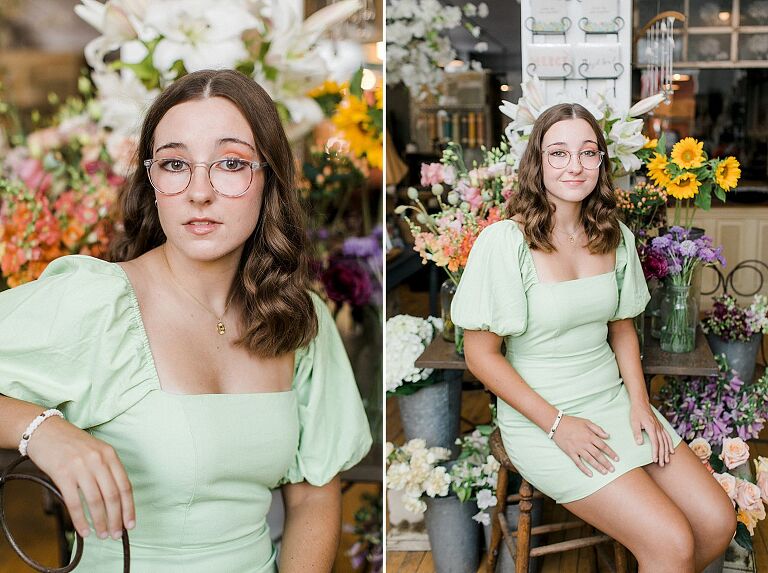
{"x":501,"y":503}
{"x":620,"y":553}
{"x":524,"y":528}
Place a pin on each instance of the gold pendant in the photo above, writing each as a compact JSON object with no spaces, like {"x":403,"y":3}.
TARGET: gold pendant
{"x":572,"y":238}
{"x":220,"y":328}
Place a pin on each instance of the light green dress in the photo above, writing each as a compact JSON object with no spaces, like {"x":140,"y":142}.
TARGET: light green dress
{"x":201,"y":465}
{"x":557,"y":339}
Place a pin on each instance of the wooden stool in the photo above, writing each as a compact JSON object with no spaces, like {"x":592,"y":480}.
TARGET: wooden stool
{"x":519,"y":542}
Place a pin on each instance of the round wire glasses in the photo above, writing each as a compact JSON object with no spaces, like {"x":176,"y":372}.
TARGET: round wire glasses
{"x":230,"y":177}
{"x":561,"y":158}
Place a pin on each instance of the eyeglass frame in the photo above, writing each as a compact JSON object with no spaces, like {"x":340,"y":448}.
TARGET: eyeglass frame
{"x":578,"y":155}
{"x":254,"y":165}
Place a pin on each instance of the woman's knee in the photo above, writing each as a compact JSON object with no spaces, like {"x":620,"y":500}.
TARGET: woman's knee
{"x":672,"y":544}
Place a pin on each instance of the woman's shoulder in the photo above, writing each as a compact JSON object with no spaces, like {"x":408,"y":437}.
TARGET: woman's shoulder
{"x":72,"y":279}
{"x":506,"y":230}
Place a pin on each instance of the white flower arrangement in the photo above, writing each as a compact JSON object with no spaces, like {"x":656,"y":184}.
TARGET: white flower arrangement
{"x":622,"y":131}
{"x":407,"y":337}
{"x":158,"y":41}
{"x":412,"y":469}
{"x":417,"y":49}
{"x":476,"y":472}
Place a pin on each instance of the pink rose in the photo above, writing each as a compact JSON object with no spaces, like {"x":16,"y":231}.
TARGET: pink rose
{"x":701,"y":448}
{"x":728,"y":483}
{"x":431,"y":173}
{"x":748,"y":495}
{"x":735,"y":452}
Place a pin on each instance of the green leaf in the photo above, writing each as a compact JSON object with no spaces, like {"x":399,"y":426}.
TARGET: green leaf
{"x":720,"y":193}
{"x":743,"y":537}
{"x":704,"y":199}
{"x":716,"y":463}
{"x":412,"y":387}
{"x":661,"y":145}
{"x":354,"y":84}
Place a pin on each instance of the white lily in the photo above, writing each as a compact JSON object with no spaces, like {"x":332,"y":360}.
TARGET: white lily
{"x":123,"y":100}
{"x":199,"y":33}
{"x":116,"y":23}
{"x":626,"y":137}
{"x":645,"y":105}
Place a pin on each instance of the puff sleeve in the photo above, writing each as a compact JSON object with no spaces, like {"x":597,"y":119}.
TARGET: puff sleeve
{"x":334,"y":433}
{"x":70,"y":340}
{"x":630,"y":280}
{"x":491,"y":293}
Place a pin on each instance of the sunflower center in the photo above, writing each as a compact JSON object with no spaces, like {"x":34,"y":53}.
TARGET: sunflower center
{"x":685,"y":182}
{"x":724,"y":172}
{"x":687,"y":155}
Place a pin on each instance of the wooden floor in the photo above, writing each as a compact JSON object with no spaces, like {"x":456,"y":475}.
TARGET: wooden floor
{"x":36,"y":534}
{"x":475,"y":411}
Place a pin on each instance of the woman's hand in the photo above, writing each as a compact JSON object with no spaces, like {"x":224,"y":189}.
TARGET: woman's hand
{"x":641,"y":418}
{"x":583,"y":442}
{"x":78,"y":462}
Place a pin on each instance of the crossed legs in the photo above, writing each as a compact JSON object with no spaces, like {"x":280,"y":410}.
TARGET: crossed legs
{"x":675,"y":519}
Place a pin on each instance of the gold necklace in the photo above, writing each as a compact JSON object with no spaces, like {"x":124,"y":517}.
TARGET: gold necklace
{"x":220,"y":324}
{"x":571,"y":236}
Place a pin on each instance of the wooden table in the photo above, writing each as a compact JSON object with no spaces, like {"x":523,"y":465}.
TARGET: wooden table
{"x":441,"y":355}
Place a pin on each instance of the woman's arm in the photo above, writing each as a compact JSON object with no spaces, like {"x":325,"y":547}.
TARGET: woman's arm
{"x":312,"y":526}
{"x":622,"y":338}
{"x":76,"y":462}
{"x":579,"y":438}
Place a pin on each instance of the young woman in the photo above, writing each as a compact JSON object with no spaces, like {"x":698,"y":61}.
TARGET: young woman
{"x":560,"y":282}
{"x":199,"y":372}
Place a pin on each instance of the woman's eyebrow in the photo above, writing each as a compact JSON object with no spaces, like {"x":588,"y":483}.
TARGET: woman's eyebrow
{"x":172,"y":145}
{"x":235,"y":140}
{"x":564,"y":143}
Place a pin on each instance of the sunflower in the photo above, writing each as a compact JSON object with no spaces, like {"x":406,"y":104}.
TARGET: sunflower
{"x":650,"y":143}
{"x":687,"y":153}
{"x":657,"y":169}
{"x":684,"y":187}
{"x":727,"y":173}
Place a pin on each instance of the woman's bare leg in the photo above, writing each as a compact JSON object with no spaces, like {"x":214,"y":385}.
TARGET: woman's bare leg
{"x":689,"y":484}
{"x":638,"y":514}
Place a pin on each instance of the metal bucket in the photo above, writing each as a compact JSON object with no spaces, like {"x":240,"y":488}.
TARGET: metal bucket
{"x":433,"y":413}
{"x":454,"y":536}
{"x":741,"y":355}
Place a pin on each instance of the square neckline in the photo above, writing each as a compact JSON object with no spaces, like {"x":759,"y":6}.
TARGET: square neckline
{"x":151,"y":357}
{"x":536,"y":271}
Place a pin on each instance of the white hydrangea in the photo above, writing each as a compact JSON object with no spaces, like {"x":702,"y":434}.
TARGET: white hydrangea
{"x":437,"y":482}
{"x":407,"y":338}
{"x":414,"y":504}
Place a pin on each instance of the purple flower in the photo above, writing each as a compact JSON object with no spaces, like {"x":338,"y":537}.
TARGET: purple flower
{"x":347,"y":281}
{"x":688,"y":248}
{"x":655,"y":266}
{"x":362,"y":247}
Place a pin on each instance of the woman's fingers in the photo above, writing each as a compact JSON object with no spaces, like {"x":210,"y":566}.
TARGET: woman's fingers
{"x":598,"y":430}
{"x":606,"y":449}
{"x":653,"y":436}
{"x":126,"y":493}
{"x":577,"y":460}
{"x":589,"y":457}
{"x":69,"y":493}
{"x":95,"y":501}
{"x":598,"y":454}
{"x":110,"y":495}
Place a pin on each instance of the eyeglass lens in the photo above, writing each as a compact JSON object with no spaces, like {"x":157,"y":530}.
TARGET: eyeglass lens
{"x":560,"y":158}
{"x":227,"y":176}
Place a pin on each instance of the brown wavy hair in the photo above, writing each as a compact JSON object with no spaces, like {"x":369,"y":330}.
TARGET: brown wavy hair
{"x":272,"y":283}
{"x":598,"y":210}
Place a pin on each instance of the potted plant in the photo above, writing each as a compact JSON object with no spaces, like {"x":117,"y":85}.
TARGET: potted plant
{"x":430,"y":404}
{"x":680,"y":305}
{"x":737,"y":332}
{"x":729,"y":465}
{"x":415,"y":470}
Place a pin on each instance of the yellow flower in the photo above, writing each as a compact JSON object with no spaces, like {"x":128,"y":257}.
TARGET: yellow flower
{"x":727,"y":173}
{"x":657,"y":169}
{"x":328,"y":87}
{"x":355,"y":126}
{"x":687,"y":153}
{"x":650,"y":143}
{"x":684,"y":187}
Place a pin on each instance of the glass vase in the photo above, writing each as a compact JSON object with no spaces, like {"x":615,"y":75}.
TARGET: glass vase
{"x":447,"y":290}
{"x":459,"y":340}
{"x":679,"y":316}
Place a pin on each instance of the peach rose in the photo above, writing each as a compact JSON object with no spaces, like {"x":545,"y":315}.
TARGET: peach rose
{"x":748,"y":495}
{"x":728,"y":483}
{"x":761,"y":470}
{"x":735,"y":452}
{"x":701,"y":448}
{"x":751,"y":517}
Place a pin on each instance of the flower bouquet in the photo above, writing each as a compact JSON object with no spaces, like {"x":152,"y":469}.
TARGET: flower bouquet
{"x":737,"y":332}
{"x":475,"y":198}
{"x":414,"y":469}
{"x":643,"y":207}
{"x":407,"y":337}
{"x":687,"y":174}
{"x":475,"y":473}
{"x":367,"y":552}
{"x":728,"y":464}
{"x":679,"y":308}
{"x":715,"y":407}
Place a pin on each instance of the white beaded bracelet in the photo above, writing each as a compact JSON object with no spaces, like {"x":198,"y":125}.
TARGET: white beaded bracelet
{"x":556,"y":424}
{"x":33,"y":426}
